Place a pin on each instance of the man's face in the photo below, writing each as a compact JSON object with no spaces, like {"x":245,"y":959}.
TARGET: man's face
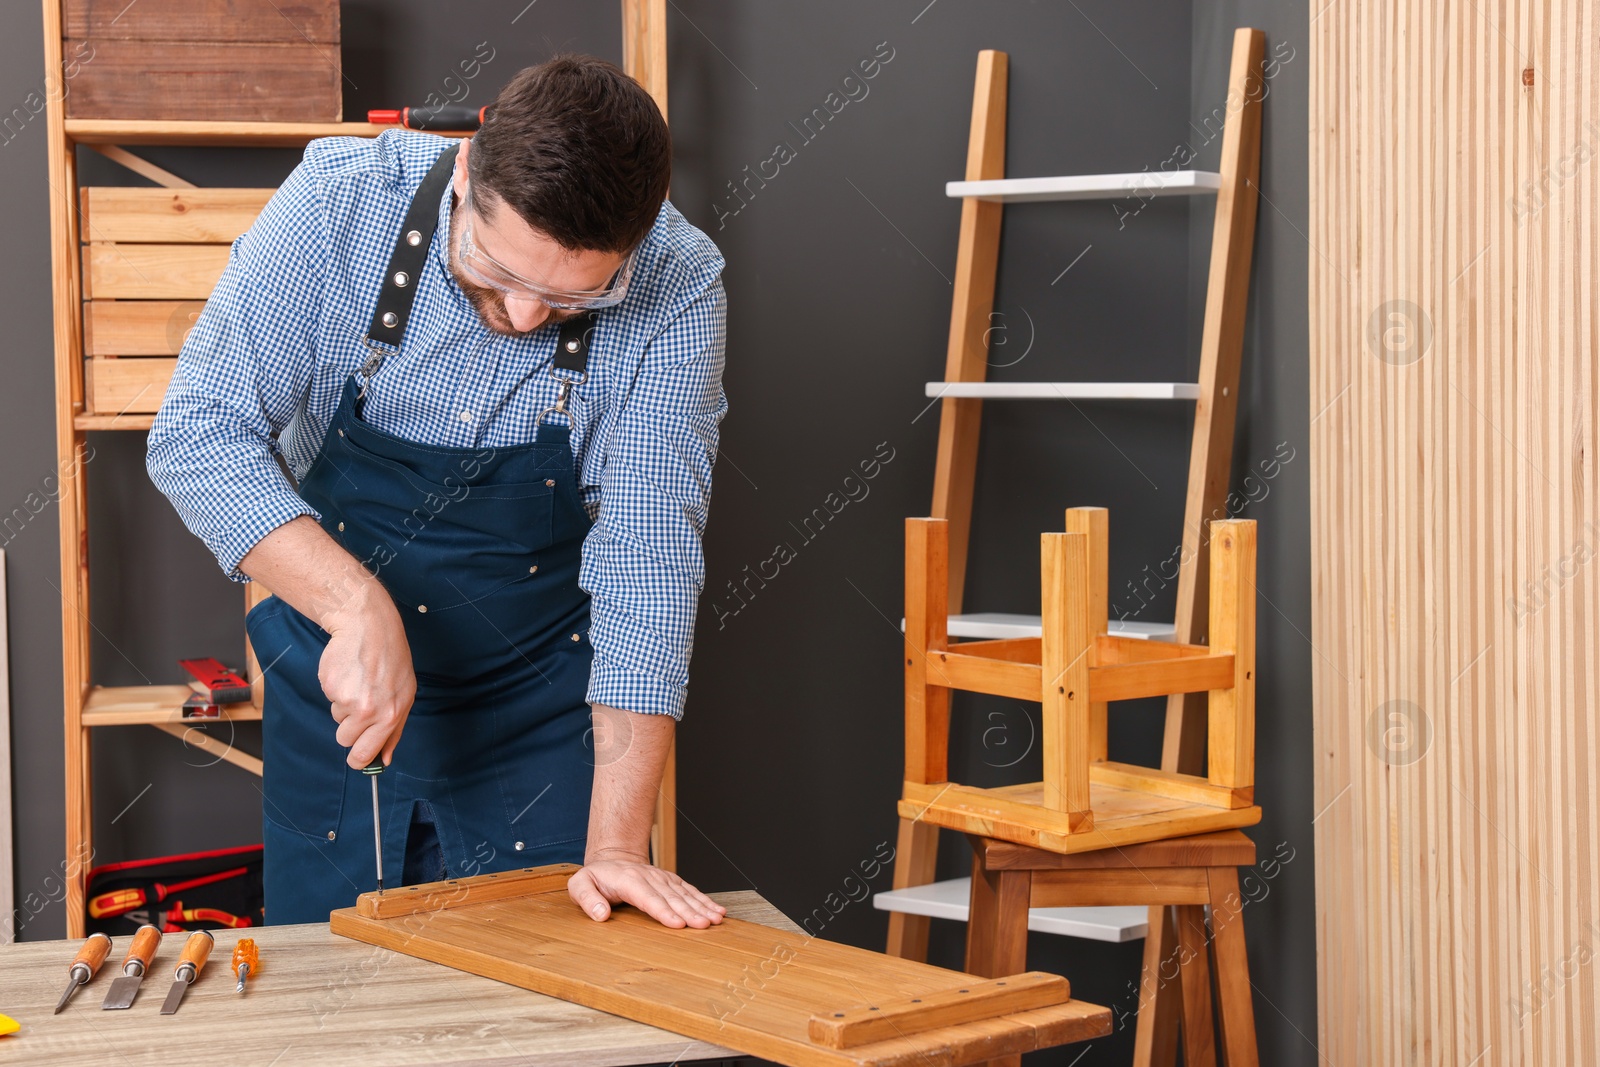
{"x":503,"y":236}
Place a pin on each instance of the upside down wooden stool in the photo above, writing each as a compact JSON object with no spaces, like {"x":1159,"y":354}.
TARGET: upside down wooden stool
{"x":1193,"y":875}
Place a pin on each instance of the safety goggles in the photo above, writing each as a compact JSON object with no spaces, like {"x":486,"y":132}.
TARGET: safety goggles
{"x":486,"y":270}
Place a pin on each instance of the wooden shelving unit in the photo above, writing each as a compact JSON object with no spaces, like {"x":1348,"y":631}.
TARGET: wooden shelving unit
{"x":87,"y":706}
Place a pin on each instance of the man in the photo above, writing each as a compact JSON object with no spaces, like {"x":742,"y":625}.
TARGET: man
{"x":494,"y":371}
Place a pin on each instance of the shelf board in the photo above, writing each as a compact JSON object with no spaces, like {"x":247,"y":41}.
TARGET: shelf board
{"x":1141,"y":184}
{"x":949,"y":900}
{"x":997,"y":625}
{"x":137,"y":705}
{"x":237,"y":134}
{"x":1065,"y":390}
{"x":113,"y":422}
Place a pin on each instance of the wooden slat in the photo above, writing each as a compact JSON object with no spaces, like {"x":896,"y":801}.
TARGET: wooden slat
{"x":219,"y":133}
{"x":644,"y":46}
{"x":927,"y":709}
{"x":194,"y":737}
{"x":1232,"y":745}
{"x":1066,"y":657}
{"x":142,"y":167}
{"x":1171,"y":784}
{"x":684,"y":979}
{"x":1014,"y":649}
{"x":1112,"y":649}
{"x":170,"y":216}
{"x":138,"y":327}
{"x":464,"y":892}
{"x":1221,"y":345}
{"x":218,"y":80}
{"x":136,"y":705}
{"x":966,"y":360}
{"x":126,"y":386}
{"x":152,"y":272}
{"x":172,"y":20}
{"x":976,"y":674}
{"x":1189,"y":674}
{"x":1225,"y":848}
{"x":1105,"y":886}
{"x":969,"y":1002}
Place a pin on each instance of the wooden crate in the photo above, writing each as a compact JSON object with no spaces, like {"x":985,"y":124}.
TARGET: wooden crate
{"x":150,"y":261}
{"x":242,"y":60}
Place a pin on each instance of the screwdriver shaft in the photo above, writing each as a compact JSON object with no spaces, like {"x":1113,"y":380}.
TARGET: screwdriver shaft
{"x":377,"y":834}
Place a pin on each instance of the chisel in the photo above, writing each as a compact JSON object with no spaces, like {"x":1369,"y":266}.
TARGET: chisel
{"x":372,"y":770}
{"x":140,"y":953}
{"x":196,"y":951}
{"x":93,"y":953}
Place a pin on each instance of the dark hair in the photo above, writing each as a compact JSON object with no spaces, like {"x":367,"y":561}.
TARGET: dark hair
{"x":578,"y":150}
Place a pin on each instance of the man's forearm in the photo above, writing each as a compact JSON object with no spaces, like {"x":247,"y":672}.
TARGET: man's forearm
{"x":310,"y":571}
{"x":630,"y":751}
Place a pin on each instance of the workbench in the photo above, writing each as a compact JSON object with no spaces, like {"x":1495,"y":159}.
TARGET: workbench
{"x":322,"y":999}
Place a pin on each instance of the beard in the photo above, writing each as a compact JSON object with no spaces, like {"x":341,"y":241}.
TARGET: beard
{"x":490,"y":304}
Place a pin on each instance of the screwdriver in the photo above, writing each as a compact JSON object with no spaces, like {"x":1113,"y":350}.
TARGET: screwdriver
{"x":196,"y":951}
{"x":246,"y":961}
{"x":96,"y":947}
{"x":372,"y":770}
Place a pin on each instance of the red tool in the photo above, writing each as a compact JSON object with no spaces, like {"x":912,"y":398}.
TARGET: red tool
{"x":444,"y":117}
{"x":121,"y":901}
{"x":180,"y":914}
{"x":222,"y":685}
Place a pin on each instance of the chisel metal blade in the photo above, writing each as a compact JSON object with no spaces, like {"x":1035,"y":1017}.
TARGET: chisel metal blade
{"x":142,"y":951}
{"x":174,"y":997}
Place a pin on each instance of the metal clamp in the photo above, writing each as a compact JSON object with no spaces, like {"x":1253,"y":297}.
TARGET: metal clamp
{"x":563,"y":392}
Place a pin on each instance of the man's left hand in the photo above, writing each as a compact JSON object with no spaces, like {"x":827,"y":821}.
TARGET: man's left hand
{"x":662,"y":895}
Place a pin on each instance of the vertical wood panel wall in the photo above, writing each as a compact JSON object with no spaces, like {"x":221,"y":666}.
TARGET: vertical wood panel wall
{"x":1456,"y":539}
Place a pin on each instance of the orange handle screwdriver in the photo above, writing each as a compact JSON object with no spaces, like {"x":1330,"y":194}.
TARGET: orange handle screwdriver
{"x":246,"y":961}
{"x":84,"y":966}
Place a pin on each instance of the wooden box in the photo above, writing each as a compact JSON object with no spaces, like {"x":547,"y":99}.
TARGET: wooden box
{"x":238,"y":60}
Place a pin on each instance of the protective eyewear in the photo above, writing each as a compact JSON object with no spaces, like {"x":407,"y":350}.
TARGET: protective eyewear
{"x":486,"y":270}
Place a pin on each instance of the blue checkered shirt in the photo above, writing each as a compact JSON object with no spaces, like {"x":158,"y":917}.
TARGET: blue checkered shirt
{"x":260,"y":376}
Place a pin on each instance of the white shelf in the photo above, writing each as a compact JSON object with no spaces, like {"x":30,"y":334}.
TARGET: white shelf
{"x":995,"y":625}
{"x":1089,"y":186}
{"x":1065,"y":390}
{"x":948,"y":900}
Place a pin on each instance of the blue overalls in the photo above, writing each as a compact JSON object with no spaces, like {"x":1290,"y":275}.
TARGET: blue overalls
{"x":479,"y":548}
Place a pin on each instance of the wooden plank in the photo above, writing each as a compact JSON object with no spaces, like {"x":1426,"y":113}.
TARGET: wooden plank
{"x":170,"y":216}
{"x":1097,"y":888}
{"x":133,"y":705}
{"x":1189,"y":674}
{"x":253,"y":82}
{"x":685,"y":979}
{"x":1015,"y":649}
{"x":1172,"y":784}
{"x":1094,"y":523}
{"x":1221,"y":345}
{"x":141,"y":166}
{"x":152,"y":272}
{"x":220,"y":133}
{"x":1111,"y":649}
{"x":465,"y":892}
{"x":972,"y":302}
{"x":976,"y":674}
{"x":1225,"y":848}
{"x":644,"y":46}
{"x":1232,"y":744}
{"x":138,"y":327}
{"x":1067,"y":648}
{"x":862,"y":1025}
{"x":1235,"y":997}
{"x":1199,"y":1046}
{"x":185,"y":20}
{"x":927,"y":710}
{"x":191,"y":734}
{"x":915,"y":863}
{"x":123,"y":386}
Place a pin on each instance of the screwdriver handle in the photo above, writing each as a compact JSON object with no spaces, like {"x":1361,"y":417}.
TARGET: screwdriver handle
{"x":96,"y":947}
{"x":196,"y":951}
{"x":143,"y":949}
{"x":375,"y":767}
{"x":245,"y":953}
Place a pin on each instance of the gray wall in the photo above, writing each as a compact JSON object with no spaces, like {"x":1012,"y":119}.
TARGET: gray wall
{"x":839,"y":294}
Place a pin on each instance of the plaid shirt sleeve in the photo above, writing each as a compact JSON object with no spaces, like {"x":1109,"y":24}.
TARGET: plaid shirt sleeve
{"x":643,"y":565}
{"x":240,"y":378}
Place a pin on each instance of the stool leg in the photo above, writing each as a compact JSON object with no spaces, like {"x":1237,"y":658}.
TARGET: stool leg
{"x":916,"y":855}
{"x":1199,"y":1044}
{"x":1234,"y":1004}
{"x":1155,"y":1042}
{"x":997,"y":928}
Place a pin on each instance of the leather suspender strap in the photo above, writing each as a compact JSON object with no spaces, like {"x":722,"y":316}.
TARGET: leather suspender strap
{"x":572,"y":346}
{"x":411,"y":253}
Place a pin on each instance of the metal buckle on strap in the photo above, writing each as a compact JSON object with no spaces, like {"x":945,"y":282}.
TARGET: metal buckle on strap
{"x":563,"y":392}
{"x":375,"y":356}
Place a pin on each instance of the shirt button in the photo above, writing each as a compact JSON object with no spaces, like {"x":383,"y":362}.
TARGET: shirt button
{"x":466,"y":416}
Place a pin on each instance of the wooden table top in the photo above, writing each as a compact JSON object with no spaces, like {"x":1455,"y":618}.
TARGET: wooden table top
{"x":326,"y":1000}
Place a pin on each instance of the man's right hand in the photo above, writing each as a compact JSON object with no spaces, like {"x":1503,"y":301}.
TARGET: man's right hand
{"x":366,"y":673}
{"x":366,"y":669}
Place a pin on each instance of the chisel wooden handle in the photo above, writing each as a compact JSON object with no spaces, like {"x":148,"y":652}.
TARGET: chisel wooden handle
{"x":143,"y":949}
{"x":196,"y":951}
{"x":93,"y":953}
